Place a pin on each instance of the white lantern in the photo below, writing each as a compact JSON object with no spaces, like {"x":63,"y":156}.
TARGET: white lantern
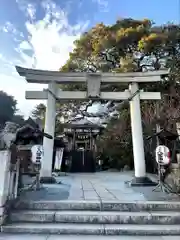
{"x":163,"y":155}
{"x":37,"y":153}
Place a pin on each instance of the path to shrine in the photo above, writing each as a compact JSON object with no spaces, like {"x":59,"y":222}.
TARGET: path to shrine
{"x":100,"y":186}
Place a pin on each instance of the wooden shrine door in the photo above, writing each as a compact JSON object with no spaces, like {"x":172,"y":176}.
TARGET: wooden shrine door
{"x":82,"y":161}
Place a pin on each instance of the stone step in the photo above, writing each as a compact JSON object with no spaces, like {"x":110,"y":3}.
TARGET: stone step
{"x":96,"y":217}
{"x":58,"y":205}
{"x":93,"y":229}
{"x":81,"y":237}
{"x":99,"y":206}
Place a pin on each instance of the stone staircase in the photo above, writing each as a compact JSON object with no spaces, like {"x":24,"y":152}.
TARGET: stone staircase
{"x":95,"y":218}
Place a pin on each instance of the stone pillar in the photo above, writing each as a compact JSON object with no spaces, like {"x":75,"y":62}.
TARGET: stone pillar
{"x":137,"y":140}
{"x":48,"y":144}
{"x":5,"y":157}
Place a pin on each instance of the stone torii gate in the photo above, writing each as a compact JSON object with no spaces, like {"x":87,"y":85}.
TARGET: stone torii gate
{"x":94,"y":81}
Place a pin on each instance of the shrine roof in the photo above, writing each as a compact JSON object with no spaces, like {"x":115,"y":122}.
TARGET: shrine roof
{"x":31,"y":122}
{"x":82,"y":123}
{"x":29,"y":132}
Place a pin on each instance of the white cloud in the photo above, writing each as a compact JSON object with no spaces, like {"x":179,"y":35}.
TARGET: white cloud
{"x":24,"y":45}
{"x":9,"y":28}
{"x":29,"y":9}
{"x":50,"y":40}
{"x":103,"y":4}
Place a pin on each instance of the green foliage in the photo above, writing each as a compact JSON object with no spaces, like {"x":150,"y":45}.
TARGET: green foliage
{"x":115,"y":143}
{"x":7,"y":107}
{"x":18,"y":119}
{"x":63,"y":109}
{"x":39,"y":111}
{"x":126,"y":46}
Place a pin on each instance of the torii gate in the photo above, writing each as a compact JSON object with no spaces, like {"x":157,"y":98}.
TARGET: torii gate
{"x":94,"y":81}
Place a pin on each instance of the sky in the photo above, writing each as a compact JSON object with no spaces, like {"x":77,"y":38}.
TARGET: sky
{"x":40,"y":33}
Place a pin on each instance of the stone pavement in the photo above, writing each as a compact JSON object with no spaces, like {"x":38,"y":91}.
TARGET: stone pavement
{"x":110,"y":186}
{"x":98,"y":186}
{"x":62,"y":237}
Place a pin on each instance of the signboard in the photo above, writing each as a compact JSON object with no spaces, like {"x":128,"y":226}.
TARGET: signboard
{"x":163,"y":155}
{"x":82,"y":137}
{"x":37,"y":154}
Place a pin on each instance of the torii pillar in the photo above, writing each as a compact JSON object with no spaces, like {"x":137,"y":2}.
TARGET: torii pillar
{"x":49,"y":128}
{"x":137,"y":139}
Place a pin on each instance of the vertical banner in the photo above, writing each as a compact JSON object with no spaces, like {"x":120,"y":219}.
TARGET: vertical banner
{"x":58,"y":158}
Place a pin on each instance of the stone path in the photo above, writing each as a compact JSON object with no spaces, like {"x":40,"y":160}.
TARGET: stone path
{"x":111,"y":186}
{"x":98,"y":186}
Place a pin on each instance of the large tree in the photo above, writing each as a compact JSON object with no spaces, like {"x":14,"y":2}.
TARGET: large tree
{"x":115,"y":48}
{"x":126,"y":46}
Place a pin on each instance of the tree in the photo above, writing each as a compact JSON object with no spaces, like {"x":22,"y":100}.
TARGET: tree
{"x":18,"y":119}
{"x":7,"y":107}
{"x":106,"y":47}
{"x":126,"y":46}
{"x":65,"y":110}
{"x":39,"y":111}
{"x":39,"y":114}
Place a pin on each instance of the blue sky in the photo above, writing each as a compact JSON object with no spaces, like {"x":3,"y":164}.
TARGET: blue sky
{"x":40,"y":33}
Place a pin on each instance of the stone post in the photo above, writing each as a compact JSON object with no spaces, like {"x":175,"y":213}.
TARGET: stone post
{"x":5,"y":157}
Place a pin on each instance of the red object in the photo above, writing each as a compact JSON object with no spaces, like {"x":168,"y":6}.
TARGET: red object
{"x":169,"y":156}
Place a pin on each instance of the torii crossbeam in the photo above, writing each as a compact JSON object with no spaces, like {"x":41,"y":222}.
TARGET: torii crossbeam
{"x":94,"y":81}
